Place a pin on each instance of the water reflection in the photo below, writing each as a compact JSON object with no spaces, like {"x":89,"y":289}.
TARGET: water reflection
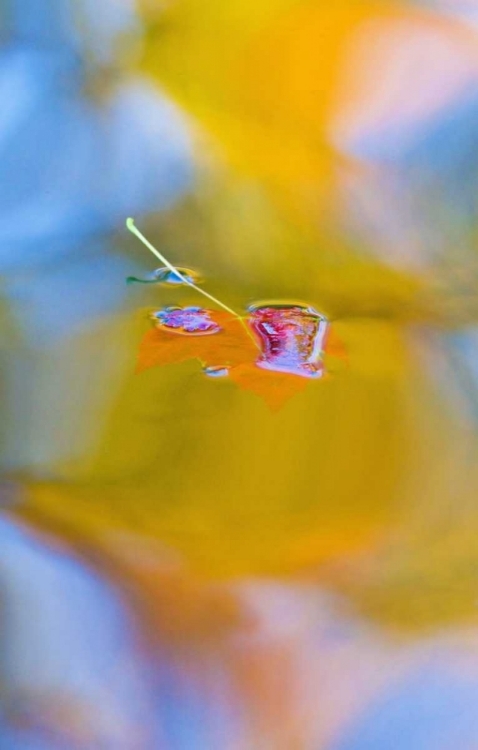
{"x":179,"y":567}
{"x":258,"y":664}
{"x":292,"y":338}
{"x":166,"y":276}
{"x":186,"y":320}
{"x":72,"y":166}
{"x":72,"y":671}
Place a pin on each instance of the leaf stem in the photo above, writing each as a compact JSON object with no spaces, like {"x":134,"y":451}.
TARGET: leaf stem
{"x":131,"y":226}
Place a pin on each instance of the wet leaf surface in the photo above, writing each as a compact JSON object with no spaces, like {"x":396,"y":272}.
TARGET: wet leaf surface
{"x":233,"y":351}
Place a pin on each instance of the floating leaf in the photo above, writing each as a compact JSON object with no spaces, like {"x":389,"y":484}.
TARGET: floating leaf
{"x":227,"y":347}
{"x":274,"y":388}
{"x":288,"y":357}
{"x":291,"y":336}
{"x":273,"y":352}
{"x":186,"y":320}
{"x":334,"y":346}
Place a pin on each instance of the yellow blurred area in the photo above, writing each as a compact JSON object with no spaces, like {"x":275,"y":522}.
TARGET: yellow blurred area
{"x":248,"y":250}
{"x":261,"y":76}
{"x":181,"y":566}
{"x":267,"y":78}
{"x":212,"y":473}
{"x":203,"y":469}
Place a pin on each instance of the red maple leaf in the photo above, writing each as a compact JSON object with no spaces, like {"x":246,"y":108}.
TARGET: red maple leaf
{"x":228,"y":347}
{"x":275,"y":388}
{"x":235,"y":347}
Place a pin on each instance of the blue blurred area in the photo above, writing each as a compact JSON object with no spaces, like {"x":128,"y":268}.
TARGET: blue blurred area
{"x":433,"y":709}
{"x":75,"y":673}
{"x":83,"y":675}
{"x":72,"y":167}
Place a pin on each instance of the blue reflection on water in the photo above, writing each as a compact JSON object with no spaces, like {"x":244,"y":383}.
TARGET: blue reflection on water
{"x":433,"y":708}
{"x":66,"y":638}
{"x":72,"y":166}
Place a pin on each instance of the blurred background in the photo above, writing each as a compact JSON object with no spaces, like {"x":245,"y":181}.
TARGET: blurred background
{"x":180,"y":567}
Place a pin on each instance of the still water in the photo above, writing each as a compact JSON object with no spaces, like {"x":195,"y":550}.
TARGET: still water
{"x":246,"y":522}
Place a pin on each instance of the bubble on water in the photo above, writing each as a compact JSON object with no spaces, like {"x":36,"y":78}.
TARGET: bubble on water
{"x":192,"y":320}
{"x":216,"y":372}
{"x":168,"y":277}
{"x":291,"y":337}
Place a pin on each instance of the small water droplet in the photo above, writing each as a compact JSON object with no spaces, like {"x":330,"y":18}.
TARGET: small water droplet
{"x":216,"y":372}
{"x":167,"y":277}
{"x":291,"y":336}
{"x":193,"y":321}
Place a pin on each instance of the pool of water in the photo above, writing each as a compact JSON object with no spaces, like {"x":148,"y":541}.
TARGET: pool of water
{"x":238,"y":500}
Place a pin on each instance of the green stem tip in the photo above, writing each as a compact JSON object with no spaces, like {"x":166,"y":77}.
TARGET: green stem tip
{"x":131,"y":226}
